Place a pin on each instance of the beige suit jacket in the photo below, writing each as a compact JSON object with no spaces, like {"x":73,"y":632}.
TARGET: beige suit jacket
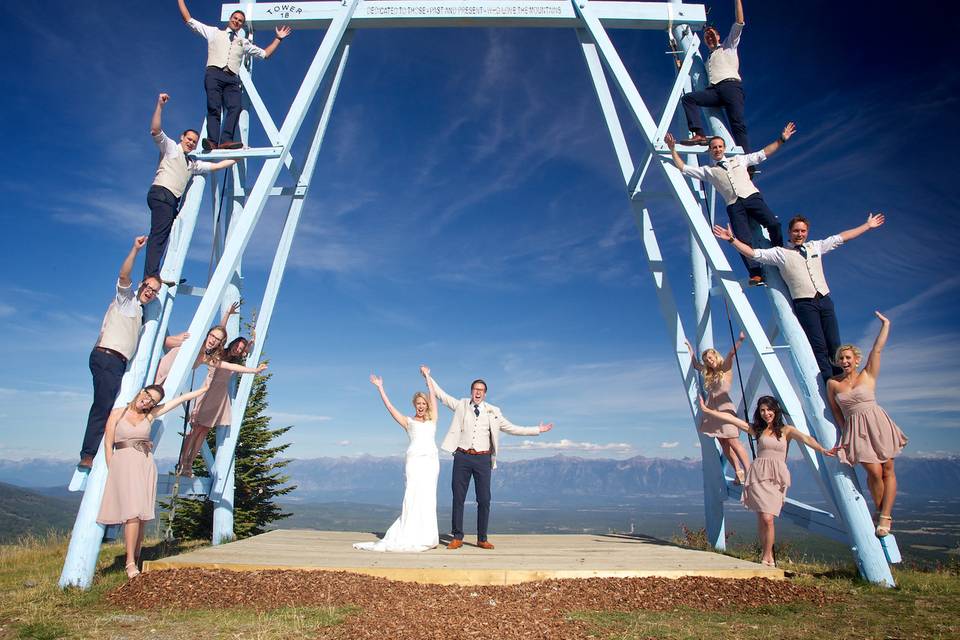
{"x":460,"y":424}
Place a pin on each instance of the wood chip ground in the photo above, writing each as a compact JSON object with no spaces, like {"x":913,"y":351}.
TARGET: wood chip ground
{"x":404,"y":610}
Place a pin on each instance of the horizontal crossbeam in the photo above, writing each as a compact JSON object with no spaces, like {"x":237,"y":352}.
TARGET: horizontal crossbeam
{"x":249,"y":152}
{"x":379,"y":14}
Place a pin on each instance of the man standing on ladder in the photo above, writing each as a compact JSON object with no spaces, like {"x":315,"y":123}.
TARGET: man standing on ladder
{"x":725,"y":89}
{"x":802,"y":270}
{"x":116,"y":344}
{"x":733,"y":183}
{"x":225,"y":50}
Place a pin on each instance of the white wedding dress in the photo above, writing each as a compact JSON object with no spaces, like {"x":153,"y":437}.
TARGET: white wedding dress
{"x":416,"y":528}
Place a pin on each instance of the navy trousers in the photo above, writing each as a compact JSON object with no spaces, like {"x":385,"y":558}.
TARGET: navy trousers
{"x":753,"y":208}
{"x":727,"y":95}
{"x":819,"y":321}
{"x":223,"y":92}
{"x":107,"y":370}
{"x":466,"y":466}
{"x":163,"y":210}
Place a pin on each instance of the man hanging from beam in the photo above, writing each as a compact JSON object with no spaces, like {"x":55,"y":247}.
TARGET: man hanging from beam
{"x":725,"y":89}
{"x":733,"y":183}
{"x":225,"y":51}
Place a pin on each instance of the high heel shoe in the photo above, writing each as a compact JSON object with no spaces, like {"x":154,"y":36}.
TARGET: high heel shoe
{"x":881,"y":529}
{"x":132,"y":571}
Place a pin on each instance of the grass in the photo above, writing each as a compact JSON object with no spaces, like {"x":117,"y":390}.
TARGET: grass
{"x":32,"y":606}
{"x":926,"y":604}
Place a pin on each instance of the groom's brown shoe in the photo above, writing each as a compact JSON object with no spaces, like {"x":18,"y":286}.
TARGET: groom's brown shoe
{"x":483,"y":544}
{"x":455,"y":544}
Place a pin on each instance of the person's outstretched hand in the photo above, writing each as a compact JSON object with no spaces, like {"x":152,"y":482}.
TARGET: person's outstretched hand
{"x":545,"y":427}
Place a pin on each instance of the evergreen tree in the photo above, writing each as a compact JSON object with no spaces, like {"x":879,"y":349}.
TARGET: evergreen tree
{"x":258,"y":474}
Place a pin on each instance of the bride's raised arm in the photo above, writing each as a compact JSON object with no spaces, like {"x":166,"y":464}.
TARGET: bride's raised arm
{"x":401,"y":419}
{"x":431,"y":392}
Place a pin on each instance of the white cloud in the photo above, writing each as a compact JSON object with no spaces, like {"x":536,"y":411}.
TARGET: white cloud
{"x":343,"y":443}
{"x":295,"y":418}
{"x":669,"y":445}
{"x":569,"y":445}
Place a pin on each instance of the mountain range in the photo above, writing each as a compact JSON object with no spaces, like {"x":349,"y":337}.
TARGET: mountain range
{"x":552,"y":481}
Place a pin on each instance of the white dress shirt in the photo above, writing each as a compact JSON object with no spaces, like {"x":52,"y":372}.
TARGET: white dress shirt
{"x":120,"y":330}
{"x":221,"y":51}
{"x":731,"y":180}
{"x":723,"y":62}
{"x":803,"y":275}
{"x":175,"y":168}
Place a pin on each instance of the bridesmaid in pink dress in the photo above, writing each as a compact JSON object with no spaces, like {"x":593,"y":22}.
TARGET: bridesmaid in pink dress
{"x":767,"y":480}
{"x":868,"y":436}
{"x":131,"y":490}
{"x":717,"y":378}
{"x":213,"y":408}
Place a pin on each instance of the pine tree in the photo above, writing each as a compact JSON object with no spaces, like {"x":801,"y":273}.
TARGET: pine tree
{"x":258,"y":473}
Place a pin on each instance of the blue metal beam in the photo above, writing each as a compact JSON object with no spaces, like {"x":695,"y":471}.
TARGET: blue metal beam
{"x":378,"y":14}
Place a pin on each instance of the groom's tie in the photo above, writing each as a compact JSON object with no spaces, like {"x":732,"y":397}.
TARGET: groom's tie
{"x":476,"y":410}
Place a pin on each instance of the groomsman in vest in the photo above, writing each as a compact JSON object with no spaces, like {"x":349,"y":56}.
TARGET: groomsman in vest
{"x":119,"y":336}
{"x":225,"y":51}
{"x":725,"y":89}
{"x":733,"y":183}
{"x":173,"y":174}
{"x":802,"y":270}
{"x":472,"y":439}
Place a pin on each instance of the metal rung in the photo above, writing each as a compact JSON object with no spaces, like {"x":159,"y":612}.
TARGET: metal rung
{"x":227,"y":154}
{"x":188,"y":486}
{"x":190,"y":290}
{"x":696,"y":148}
{"x":782,"y":347}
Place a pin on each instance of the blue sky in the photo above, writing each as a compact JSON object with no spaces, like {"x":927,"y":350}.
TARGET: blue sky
{"x":467,"y":212}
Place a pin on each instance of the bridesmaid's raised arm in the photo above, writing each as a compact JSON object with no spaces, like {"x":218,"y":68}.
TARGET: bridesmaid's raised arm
{"x":873,"y":360}
{"x":728,"y":361}
{"x":726,"y":417}
{"x":176,"y":402}
{"x":792,"y":433}
{"x":693,"y":358}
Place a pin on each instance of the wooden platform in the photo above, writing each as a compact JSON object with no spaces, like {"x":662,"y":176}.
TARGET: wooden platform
{"x":517,"y":558}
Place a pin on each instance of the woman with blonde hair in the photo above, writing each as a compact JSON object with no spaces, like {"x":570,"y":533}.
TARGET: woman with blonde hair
{"x":868,"y":435}
{"x":717,"y":375}
{"x":765,"y":487}
{"x":130,"y":495}
{"x":416,"y":528}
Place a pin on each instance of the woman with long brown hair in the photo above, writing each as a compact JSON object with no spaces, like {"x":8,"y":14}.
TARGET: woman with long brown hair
{"x":765,"y":487}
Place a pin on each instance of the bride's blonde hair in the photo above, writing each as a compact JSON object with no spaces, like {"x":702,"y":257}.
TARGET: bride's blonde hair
{"x":420,"y":394}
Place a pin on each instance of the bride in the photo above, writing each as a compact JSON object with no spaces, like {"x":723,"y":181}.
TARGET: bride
{"x":416,"y":528}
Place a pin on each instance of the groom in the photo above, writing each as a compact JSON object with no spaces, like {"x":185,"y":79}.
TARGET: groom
{"x":472,"y":439}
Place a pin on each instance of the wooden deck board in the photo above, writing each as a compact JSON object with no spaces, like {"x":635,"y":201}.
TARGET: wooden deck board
{"x":517,"y":558}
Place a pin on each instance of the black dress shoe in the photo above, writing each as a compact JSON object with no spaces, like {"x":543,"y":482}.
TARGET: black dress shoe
{"x":208,"y":145}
